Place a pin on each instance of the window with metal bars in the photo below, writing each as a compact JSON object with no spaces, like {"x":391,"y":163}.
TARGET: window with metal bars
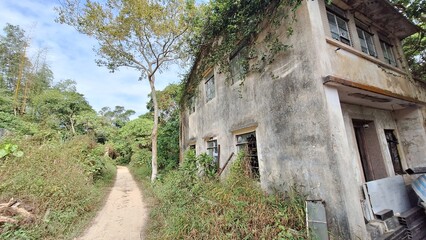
{"x":247,"y":143}
{"x":393,"y":150}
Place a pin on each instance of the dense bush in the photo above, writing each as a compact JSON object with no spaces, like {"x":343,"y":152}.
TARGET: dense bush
{"x":133,"y":142}
{"x":13,"y":123}
{"x":62,"y":182}
{"x":192,"y":207}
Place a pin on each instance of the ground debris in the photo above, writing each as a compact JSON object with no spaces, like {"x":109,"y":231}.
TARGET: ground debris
{"x":12,"y":212}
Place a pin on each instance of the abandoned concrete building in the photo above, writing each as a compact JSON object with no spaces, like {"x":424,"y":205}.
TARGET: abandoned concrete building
{"x":336,"y":112}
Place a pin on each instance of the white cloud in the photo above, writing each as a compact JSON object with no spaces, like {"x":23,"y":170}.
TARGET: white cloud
{"x":70,"y":56}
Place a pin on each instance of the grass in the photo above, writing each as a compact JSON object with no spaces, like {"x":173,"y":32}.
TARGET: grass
{"x":61,"y":183}
{"x":189,"y":207}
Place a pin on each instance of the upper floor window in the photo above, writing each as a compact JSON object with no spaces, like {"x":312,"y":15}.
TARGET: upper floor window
{"x":210,"y":88}
{"x":388,"y":53}
{"x":366,"y":40}
{"x":192,"y":105}
{"x":236,"y":65}
{"x":338,"y":24}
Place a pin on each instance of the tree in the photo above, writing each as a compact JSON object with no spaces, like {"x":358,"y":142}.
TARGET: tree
{"x":21,"y":76}
{"x":117,"y":117}
{"x":415,"y":45}
{"x":168,"y":102}
{"x":12,"y":55}
{"x":169,"y":119}
{"x":146,"y":35}
{"x":88,"y":122}
{"x":134,"y":141}
{"x":60,"y":109}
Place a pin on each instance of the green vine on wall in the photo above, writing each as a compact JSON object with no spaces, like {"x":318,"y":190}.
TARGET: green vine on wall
{"x":230,"y":25}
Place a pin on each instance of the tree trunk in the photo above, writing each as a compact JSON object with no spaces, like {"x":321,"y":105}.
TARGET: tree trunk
{"x":72,"y":124}
{"x":18,"y":83}
{"x":154,"y":133}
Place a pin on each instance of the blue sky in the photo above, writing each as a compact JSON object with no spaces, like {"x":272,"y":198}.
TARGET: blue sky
{"x":70,"y":55}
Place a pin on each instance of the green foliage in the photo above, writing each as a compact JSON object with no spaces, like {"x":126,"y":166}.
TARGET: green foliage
{"x":189,"y":164}
{"x":17,"y":124}
{"x":10,"y":149}
{"x":206,"y":165}
{"x":6,"y":101}
{"x":20,"y":78}
{"x":116,"y":24}
{"x":168,"y":143}
{"x":227,"y":26}
{"x":12,"y":46}
{"x":169,"y":123}
{"x":117,"y":117}
{"x":168,"y":102}
{"x":133,"y":141}
{"x":414,"y":46}
{"x":190,"y":207}
{"x":64,"y":182}
{"x":58,"y":109}
{"x":144,"y":35}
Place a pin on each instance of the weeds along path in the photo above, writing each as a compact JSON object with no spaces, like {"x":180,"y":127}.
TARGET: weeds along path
{"x":124,"y":215}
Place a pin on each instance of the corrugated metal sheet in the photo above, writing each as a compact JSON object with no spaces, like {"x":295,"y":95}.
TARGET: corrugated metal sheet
{"x":419,"y":186}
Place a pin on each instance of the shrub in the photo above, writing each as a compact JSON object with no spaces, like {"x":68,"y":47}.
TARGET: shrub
{"x":190,"y":207}
{"x":62,"y":182}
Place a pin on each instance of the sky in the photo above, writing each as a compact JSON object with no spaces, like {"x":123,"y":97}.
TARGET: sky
{"x":70,"y":55}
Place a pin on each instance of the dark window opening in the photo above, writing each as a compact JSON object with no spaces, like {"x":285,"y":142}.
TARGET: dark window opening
{"x":192,"y":147}
{"x":393,"y":149}
{"x":236,"y":65}
{"x":213,"y":150}
{"x":192,"y":105}
{"x":247,"y":143}
{"x":388,"y":53}
{"x":210,"y":88}
{"x":367,"y":42}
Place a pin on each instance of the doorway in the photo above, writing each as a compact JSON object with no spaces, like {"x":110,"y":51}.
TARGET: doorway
{"x":373,"y":165}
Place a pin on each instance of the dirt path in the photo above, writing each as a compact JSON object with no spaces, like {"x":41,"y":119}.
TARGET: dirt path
{"x":124,"y":214}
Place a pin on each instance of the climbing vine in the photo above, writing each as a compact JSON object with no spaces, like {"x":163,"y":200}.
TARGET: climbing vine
{"x":228,"y":26}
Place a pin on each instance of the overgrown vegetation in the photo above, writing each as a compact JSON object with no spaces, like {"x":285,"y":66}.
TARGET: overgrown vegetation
{"x":53,"y":173}
{"x":60,"y":183}
{"x":194,"y":206}
{"x":414,"y":46}
{"x":227,"y":28}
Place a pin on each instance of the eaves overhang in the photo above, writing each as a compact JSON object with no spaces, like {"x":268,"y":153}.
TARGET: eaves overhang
{"x":383,"y":14}
{"x":370,"y":96}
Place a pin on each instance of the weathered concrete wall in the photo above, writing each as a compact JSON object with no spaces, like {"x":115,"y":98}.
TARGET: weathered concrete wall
{"x":295,"y":135}
{"x":304,"y":133}
{"x":369,"y":70}
{"x":382,"y":120}
{"x":412,"y":132}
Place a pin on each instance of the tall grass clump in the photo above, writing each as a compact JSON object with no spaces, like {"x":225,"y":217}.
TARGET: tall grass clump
{"x":193,"y":204}
{"x":61,"y":183}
